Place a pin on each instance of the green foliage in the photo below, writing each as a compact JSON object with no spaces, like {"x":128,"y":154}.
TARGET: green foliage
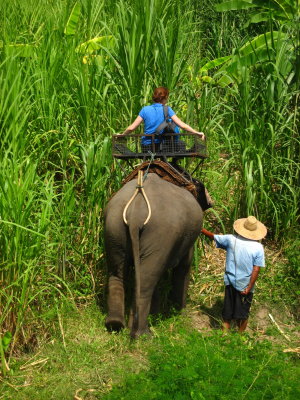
{"x":281,"y":10}
{"x":72,"y":23}
{"x":215,"y":367}
{"x":292,"y":251}
{"x":6,"y":339}
{"x":265,"y":47}
{"x":4,"y":344}
{"x":259,"y":108}
{"x":83,"y":359}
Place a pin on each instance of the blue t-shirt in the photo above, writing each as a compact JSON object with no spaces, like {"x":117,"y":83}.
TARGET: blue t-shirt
{"x":153,"y":116}
{"x":241,"y":255}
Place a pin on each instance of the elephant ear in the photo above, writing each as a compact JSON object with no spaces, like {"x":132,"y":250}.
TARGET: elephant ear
{"x":203,"y":196}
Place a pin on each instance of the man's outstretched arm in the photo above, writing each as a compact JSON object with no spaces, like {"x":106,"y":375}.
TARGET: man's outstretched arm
{"x":208,"y":233}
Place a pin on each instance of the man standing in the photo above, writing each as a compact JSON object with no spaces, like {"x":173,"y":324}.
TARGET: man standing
{"x":244,"y":258}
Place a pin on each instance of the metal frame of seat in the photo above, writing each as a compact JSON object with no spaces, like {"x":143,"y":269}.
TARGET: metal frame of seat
{"x":171,"y":145}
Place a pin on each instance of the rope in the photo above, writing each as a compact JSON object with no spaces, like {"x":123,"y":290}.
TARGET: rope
{"x":139,"y":188}
{"x":150,"y":162}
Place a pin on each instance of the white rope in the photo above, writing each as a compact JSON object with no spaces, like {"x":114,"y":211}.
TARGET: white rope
{"x":139,"y":188}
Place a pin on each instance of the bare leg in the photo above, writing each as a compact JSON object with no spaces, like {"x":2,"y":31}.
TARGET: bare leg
{"x":226,"y":326}
{"x":242,"y":324}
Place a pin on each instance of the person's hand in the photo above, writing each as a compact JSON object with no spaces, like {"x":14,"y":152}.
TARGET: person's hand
{"x":245,"y":291}
{"x":201,"y":134}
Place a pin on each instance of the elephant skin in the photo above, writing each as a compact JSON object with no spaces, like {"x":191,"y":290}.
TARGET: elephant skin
{"x":166,"y":241}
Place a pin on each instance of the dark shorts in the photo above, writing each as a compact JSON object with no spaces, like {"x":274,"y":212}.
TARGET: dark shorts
{"x":236,"y":305}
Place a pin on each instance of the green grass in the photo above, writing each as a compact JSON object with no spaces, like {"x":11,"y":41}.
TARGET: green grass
{"x":216,"y":367}
{"x":176,"y":362}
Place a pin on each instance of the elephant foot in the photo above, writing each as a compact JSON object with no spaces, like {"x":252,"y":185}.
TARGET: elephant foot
{"x":140,"y":332}
{"x":114,"y":324}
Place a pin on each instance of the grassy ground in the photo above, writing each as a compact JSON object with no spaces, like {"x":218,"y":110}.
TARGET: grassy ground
{"x":58,"y":111}
{"x":79,"y":360}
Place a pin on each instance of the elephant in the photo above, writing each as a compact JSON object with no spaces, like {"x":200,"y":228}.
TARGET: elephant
{"x":165,"y":241}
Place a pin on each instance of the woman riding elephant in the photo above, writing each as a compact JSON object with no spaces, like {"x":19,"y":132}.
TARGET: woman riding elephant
{"x":153,"y":116}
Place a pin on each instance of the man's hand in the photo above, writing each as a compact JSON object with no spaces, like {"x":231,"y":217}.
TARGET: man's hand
{"x":253,"y":278}
{"x":245,"y":291}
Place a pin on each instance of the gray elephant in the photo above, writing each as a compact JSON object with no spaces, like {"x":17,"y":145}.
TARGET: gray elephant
{"x":165,"y":241}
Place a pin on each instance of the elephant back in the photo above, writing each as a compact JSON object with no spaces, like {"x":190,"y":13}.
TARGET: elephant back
{"x":176,"y":175}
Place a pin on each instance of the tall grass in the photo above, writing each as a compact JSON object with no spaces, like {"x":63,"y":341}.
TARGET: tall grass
{"x":59,"y":106}
{"x":260,"y":127}
{"x":56,"y":117}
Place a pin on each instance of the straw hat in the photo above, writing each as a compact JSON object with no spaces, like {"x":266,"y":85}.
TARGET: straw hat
{"x":250,"y":228}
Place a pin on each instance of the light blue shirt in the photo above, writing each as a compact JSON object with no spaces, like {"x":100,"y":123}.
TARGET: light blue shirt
{"x":241,"y":255}
{"x":153,"y":116}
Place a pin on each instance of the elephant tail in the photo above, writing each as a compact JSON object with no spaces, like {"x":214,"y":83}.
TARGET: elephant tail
{"x":134,"y":231}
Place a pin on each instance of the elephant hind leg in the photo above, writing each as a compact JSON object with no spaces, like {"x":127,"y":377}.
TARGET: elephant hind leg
{"x":180,"y":281}
{"x":115,"y":320}
{"x":113,"y":325}
{"x":140,"y":314}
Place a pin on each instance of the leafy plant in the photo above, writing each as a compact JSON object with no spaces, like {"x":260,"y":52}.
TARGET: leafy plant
{"x":263,"y":47}
{"x":280,"y":10}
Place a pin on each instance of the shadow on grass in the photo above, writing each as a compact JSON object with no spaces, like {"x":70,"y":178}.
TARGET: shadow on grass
{"x":214,"y":313}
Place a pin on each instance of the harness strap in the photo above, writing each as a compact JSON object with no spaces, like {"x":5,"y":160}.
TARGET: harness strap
{"x":139,"y":188}
{"x":164,"y":124}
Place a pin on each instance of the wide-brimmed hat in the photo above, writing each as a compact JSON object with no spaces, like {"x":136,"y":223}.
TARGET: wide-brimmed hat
{"x":250,"y":228}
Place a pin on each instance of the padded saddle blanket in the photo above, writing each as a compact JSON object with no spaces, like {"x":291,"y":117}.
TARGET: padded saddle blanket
{"x":176,"y":175}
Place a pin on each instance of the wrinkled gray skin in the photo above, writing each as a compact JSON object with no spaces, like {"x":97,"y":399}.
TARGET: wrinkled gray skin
{"x":166,"y":241}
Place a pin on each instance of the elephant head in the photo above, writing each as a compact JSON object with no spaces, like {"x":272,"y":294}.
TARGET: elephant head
{"x":166,"y":241}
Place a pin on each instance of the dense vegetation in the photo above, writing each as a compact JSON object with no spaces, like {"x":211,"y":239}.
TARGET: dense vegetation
{"x":73,"y":73}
